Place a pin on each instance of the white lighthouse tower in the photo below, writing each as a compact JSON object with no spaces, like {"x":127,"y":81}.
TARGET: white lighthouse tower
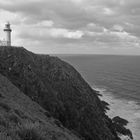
{"x":8,"y":31}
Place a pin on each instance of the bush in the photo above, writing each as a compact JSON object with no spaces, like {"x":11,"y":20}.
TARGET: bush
{"x":1,"y":96}
{"x":13,"y":118}
{"x":5,"y":106}
{"x":120,"y":121}
{"x":20,"y":114}
{"x":4,"y":137}
{"x":30,"y":131}
{"x":3,"y":122}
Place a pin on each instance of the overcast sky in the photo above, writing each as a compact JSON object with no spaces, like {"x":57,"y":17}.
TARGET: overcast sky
{"x":74,"y":26}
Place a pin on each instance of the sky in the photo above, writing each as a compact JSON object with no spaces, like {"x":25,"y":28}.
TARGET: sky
{"x":73,"y":26}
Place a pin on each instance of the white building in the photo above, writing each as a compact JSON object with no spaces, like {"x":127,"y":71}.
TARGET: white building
{"x":7,"y":40}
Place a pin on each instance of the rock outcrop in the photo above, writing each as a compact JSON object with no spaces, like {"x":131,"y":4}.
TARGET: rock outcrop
{"x":60,"y":90}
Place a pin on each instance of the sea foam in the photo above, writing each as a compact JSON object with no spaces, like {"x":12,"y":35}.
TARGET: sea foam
{"x":124,"y":108}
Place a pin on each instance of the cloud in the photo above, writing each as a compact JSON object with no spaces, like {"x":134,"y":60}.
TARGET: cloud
{"x":108,"y":11}
{"x":45,"y":23}
{"x":66,"y":33}
{"x":86,"y":23}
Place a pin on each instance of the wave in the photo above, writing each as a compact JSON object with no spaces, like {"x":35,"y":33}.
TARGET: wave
{"x":127,"y":109}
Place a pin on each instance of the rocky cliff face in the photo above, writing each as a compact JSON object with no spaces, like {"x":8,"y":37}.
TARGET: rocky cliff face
{"x":58,"y":88}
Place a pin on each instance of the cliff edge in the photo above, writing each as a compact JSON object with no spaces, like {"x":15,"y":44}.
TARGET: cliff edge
{"x":58,"y":88}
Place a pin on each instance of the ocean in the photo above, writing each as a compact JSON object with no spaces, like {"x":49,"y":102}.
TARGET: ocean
{"x":118,"y":80}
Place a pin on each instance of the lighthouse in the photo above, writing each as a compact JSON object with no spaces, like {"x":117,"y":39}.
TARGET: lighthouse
{"x":8,"y":31}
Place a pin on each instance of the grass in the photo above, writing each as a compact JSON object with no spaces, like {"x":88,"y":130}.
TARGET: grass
{"x":31,"y":131}
{"x":3,"y":123}
{"x":11,"y":128}
{"x":20,"y":114}
{"x":4,"y":137}
{"x":13,"y":118}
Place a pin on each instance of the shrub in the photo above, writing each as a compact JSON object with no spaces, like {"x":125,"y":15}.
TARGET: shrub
{"x":14,"y":118}
{"x":58,"y":123}
{"x":20,"y":114}
{"x":4,"y":137}
{"x":3,"y":122}
{"x":47,"y":114}
{"x":1,"y":96}
{"x":30,"y":131}
{"x":5,"y":106}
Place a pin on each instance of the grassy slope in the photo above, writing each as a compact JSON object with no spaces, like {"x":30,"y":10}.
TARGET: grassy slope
{"x":21,"y":118}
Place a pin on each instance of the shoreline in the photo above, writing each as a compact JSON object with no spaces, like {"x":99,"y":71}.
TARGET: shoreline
{"x":127,"y":109}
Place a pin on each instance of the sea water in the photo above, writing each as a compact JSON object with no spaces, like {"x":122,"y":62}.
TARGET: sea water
{"x":118,"y":80}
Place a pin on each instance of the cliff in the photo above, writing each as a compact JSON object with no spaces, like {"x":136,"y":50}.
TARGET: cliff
{"x":58,"y":88}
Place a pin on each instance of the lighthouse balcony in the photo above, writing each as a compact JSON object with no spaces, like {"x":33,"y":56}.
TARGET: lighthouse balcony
{"x":6,"y":29}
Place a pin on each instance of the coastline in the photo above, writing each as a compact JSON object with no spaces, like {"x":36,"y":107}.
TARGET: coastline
{"x":127,"y":109}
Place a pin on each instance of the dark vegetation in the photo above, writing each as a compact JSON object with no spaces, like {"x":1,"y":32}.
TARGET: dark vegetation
{"x":61,"y":91}
{"x":30,"y":133}
{"x":120,"y":121}
{"x":4,"y":106}
{"x":119,"y":124}
{"x":23,"y":119}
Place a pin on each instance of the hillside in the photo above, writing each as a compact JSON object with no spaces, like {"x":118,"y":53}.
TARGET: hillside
{"x":23,"y":119}
{"x":60,"y":90}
